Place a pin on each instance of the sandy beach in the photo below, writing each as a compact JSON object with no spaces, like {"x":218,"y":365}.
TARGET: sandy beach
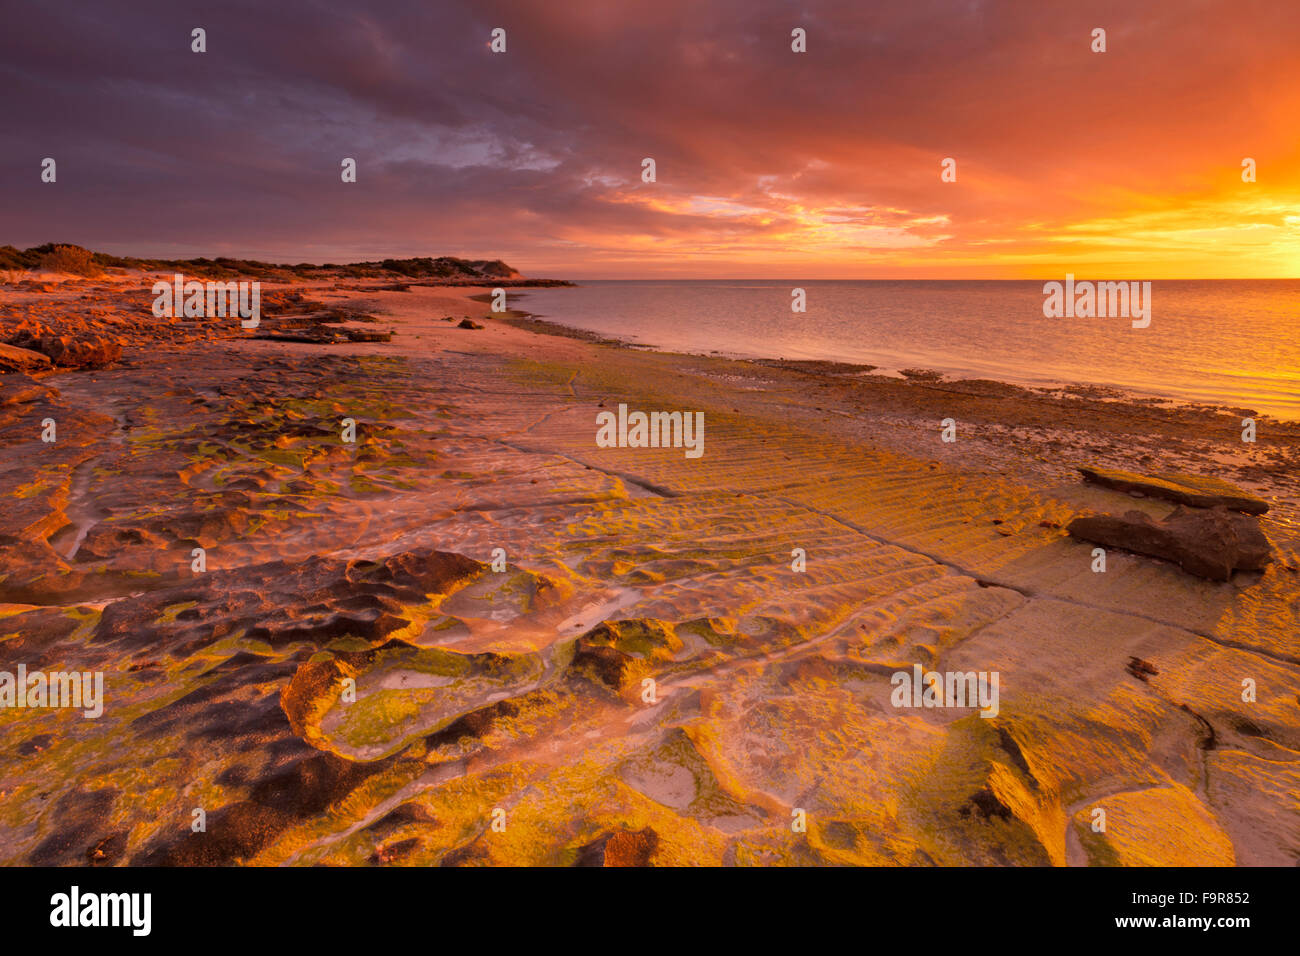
{"x":352,"y":678}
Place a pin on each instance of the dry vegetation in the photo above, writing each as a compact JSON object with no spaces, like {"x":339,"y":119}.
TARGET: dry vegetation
{"x":70,"y":259}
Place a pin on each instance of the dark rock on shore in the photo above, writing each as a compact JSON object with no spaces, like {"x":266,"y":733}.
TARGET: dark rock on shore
{"x":921,"y":374}
{"x":364,"y":335}
{"x":1208,"y":543}
{"x":620,"y":848}
{"x":816,"y":366}
{"x":65,"y":351}
{"x":324,"y":336}
{"x":88,"y":352}
{"x":1197,"y":491}
{"x":16,"y":359}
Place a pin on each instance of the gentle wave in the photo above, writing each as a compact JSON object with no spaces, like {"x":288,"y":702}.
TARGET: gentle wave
{"x":1228,"y":342}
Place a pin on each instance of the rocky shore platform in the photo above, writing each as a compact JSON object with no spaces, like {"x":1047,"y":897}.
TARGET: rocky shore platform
{"x":364,"y":590}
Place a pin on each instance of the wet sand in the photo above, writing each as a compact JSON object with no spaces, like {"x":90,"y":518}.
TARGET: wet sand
{"x":518,"y":696}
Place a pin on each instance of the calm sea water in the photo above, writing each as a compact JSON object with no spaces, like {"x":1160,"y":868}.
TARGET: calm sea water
{"x":1234,"y":342}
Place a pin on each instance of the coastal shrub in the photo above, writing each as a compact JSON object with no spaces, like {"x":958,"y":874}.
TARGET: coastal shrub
{"x":11,"y":258}
{"x":71,"y":259}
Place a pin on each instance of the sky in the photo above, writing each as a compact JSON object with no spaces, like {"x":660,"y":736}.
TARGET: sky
{"x":768,"y":163}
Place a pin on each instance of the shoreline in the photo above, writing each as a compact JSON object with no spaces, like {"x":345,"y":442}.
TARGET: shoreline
{"x":1051,"y":387}
{"x":1092,"y":403}
{"x":929,"y":367}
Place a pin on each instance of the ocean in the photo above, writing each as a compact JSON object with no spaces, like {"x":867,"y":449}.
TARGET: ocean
{"x":1230,"y":342}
